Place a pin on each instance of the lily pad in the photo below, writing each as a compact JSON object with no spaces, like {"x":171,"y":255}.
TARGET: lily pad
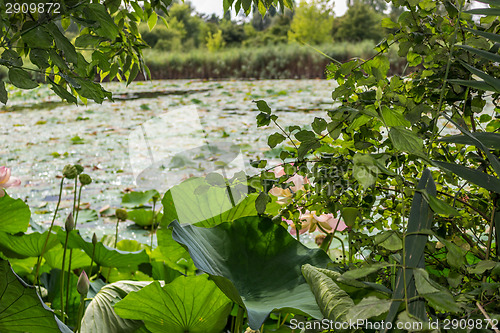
{"x":256,"y":263}
{"x":105,"y":255}
{"x":138,"y":199}
{"x":15,"y":215}
{"x":26,"y":245}
{"x":188,"y":304}
{"x":21,"y":309}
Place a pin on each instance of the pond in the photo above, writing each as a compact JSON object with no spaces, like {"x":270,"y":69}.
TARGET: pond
{"x":147,"y":122}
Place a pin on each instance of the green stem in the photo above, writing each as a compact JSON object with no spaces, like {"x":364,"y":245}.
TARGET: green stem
{"x":92,"y":261}
{"x":153,"y":223}
{"x":239,"y":319}
{"x":81,"y":310}
{"x":68,"y":278}
{"x":116,"y":232}
{"x":44,"y":248}
{"x":62,"y":277}
{"x":445,"y":79}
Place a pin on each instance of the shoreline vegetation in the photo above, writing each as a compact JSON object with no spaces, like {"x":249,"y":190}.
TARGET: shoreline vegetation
{"x":282,"y":61}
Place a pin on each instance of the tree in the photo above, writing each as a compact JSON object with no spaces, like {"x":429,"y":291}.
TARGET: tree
{"x":312,"y":22}
{"x":108,"y":30}
{"x":360,"y":22}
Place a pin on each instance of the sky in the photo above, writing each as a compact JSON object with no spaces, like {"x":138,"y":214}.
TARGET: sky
{"x":215,"y":7}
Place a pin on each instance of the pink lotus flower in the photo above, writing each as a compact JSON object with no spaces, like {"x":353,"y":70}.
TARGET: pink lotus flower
{"x":6,"y":180}
{"x":310,"y":221}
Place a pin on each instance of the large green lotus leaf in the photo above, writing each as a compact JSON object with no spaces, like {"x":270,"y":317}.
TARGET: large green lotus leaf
{"x":26,"y":245}
{"x":188,"y":304}
{"x":256,"y":263}
{"x":138,"y":199}
{"x":21,"y":309}
{"x":143,"y":217}
{"x":100,"y":317}
{"x":213,"y":203}
{"x":15,"y":216}
{"x":54,"y":258}
{"x":104,"y":255}
{"x":174,"y":255}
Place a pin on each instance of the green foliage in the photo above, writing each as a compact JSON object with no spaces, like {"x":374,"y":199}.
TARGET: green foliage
{"x":21,"y":309}
{"x":15,"y":215}
{"x":255,"y":263}
{"x":188,"y":304}
{"x":360,"y":22}
{"x":312,"y":23}
{"x":215,"y":42}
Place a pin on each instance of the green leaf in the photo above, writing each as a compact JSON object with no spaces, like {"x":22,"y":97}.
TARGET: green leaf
{"x":389,"y":240}
{"x":54,"y":258}
{"x":319,"y":125}
{"x":62,"y":92}
{"x":485,"y":54}
{"x":491,"y":36}
{"x":87,"y":40}
{"x":256,"y":263}
{"x":26,"y":245}
{"x":212,"y":207}
{"x":36,"y":37}
{"x":349,"y":215}
{"x":494,"y":82}
{"x":474,"y":176}
{"x":138,"y":199}
{"x":105,"y":255}
{"x":364,"y":271}
{"x":188,"y":304}
{"x":174,"y":255}
{"x":393,"y":118}
{"x":333,"y":302}
{"x":21,"y":309}
{"x":439,"y":206}
{"x":420,"y":219}
{"x":455,"y":256}
{"x":483,"y":266}
{"x":21,"y":79}
{"x":15,"y":215}
{"x":107,"y":27}
{"x":142,"y":217}
{"x":152,"y":20}
{"x":490,"y":140}
{"x":261,"y":202}
{"x":3,"y":93}
{"x":100,"y":315}
{"x":62,"y":43}
{"x":12,"y":57}
{"x":368,"y":307}
{"x":481,"y":85}
{"x":274,"y":139}
{"x":405,"y":140}
{"x":484,"y":11}
{"x":133,"y":73}
{"x":262,"y":106}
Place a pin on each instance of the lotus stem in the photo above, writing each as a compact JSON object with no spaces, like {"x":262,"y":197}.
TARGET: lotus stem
{"x":39,"y":261}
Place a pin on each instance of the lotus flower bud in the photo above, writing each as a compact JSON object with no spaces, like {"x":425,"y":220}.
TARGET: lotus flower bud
{"x":85,"y":179}
{"x":79,"y":168}
{"x":70,"y":171}
{"x":70,"y":223}
{"x":83,"y":284}
{"x":121,"y":214}
{"x":94,"y":239}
